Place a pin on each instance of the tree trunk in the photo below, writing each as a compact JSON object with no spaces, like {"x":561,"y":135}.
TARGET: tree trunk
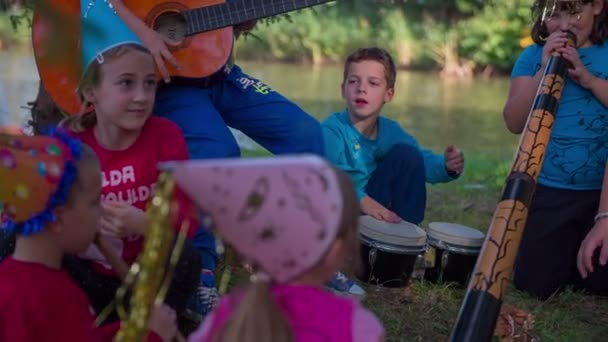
{"x":405,"y":53}
{"x":453,"y":67}
{"x":45,"y":114}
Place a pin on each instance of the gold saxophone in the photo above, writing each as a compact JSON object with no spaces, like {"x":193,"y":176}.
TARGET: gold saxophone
{"x":150,"y":276}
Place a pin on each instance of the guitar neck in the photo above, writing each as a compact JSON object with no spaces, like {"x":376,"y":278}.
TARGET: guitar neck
{"x":235,"y":12}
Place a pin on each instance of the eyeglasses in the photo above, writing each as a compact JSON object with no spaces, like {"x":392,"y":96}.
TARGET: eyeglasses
{"x":557,"y":10}
{"x":559,"y":16}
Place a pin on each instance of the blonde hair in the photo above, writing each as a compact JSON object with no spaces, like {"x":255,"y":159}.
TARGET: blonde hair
{"x":258,"y":317}
{"x":86,"y":119}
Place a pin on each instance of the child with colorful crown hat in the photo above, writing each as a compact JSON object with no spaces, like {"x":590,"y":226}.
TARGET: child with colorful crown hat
{"x":49,"y":196}
{"x":295,"y":219}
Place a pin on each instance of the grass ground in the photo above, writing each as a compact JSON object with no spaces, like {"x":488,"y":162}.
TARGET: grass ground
{"x":430,"y":314}
{"x":432,"y":309}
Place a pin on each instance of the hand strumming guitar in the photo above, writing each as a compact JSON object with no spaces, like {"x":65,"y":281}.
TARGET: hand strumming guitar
{"x":152,"y":40}
{"x":157,"y":43}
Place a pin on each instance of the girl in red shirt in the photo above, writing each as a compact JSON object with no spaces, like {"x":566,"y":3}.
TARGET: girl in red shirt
{"x":117,"y":92}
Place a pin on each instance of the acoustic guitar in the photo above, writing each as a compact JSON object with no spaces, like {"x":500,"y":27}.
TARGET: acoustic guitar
{"x":202,"y":30}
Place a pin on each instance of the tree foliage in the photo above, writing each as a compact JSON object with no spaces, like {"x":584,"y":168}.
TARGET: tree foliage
{"x":447,"y":34}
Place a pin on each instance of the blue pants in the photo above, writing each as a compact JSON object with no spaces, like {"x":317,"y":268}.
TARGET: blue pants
{"x":558,"y":222}
{"x":399,"y":183}
{"x":243,"y":103}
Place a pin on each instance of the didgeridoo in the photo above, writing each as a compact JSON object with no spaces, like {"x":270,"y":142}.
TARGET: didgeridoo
{"x":481,"y":305}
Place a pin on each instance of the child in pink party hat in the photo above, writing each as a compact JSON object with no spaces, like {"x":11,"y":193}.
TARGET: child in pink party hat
{"x":296,"y":220}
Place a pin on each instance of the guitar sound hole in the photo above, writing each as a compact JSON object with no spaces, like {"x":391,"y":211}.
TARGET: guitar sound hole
{"x":171,"y":25}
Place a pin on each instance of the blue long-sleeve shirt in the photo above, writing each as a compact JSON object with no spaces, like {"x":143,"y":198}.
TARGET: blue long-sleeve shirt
{"x":357,"y":155}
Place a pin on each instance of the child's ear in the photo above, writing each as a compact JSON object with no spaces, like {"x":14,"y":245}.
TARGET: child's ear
{"x":55,"y":226}
{"x":89,"y":95}
{"x":598,"y":6}
{"x":388,"y":96}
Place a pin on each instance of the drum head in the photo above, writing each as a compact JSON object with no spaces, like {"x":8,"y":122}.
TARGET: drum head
{"x":456,"y":234}
{"x":401,"y":234}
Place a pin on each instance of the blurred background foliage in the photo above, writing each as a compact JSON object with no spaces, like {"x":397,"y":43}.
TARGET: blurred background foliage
{"x":455,"y":37}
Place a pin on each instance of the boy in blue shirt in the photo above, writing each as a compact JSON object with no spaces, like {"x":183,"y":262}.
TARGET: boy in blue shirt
{"x":388,"y":167}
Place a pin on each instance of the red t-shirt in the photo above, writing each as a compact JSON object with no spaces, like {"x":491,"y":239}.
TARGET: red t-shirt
{"x":39,"y":303}
{"x":129,"y":175}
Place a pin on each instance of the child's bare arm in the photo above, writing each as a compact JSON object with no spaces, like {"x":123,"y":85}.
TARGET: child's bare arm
{"x":597,"y":237}
{"x":521,"y":95}
{"x":599,"y":88}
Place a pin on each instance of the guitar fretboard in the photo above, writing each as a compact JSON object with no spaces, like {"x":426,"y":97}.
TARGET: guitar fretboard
{"x":231,"y":13}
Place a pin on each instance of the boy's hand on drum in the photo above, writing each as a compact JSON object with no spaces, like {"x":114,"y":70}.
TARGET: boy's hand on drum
{"x":454,"y":159}
{"x":163,"y":322}
{"x":376,"y":210}
{"x":121,"y":219}
{"x":596,"y":238}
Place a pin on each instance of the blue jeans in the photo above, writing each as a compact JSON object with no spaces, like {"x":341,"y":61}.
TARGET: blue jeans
{"x":399,"y":183}
{"x":243,"y":103}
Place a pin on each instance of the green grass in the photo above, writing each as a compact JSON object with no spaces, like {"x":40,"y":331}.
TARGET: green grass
{"x":431,"y":313}
{"x":431,"y":310}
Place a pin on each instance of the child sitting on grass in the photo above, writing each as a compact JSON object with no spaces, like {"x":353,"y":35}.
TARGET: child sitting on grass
{"x":390,"y":170}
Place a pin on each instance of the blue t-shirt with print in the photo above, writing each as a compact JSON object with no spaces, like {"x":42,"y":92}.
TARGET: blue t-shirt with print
{"x":578,"y":149}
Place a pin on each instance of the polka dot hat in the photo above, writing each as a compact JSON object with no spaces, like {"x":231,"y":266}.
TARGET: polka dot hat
{"x":282,"y":213}
{"x":36,"y":174}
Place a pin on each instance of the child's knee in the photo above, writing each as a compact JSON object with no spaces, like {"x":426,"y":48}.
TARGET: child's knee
{"x":200,"y":147}
{"x":535,"y":282}
{"x":408,"y":155}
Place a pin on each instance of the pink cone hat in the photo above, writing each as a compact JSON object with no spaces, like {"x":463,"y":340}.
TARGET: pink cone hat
{"x":280,"y":212}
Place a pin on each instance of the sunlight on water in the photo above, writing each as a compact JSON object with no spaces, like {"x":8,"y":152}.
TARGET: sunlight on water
{"x":18,"y":85}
